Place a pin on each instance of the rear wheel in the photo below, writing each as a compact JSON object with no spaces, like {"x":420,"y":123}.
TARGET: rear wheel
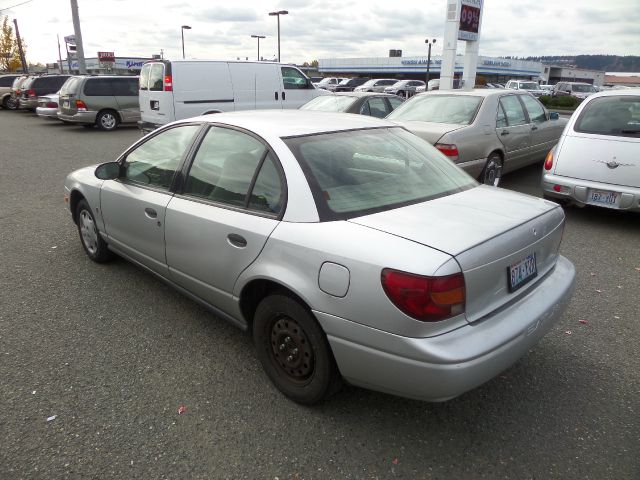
{"x":107,"y":120}
{"x":294,"y":351}
{"x":12,"y":103}
{"x":492,"y":172}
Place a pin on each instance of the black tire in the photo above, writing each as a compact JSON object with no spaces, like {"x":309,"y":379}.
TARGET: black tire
{"x":12,"y":104}
{"x":5,"y":102}
{"x":107,"y":120}
{"x":492,"y":171}
{"x":294,"y":350}
{"x":94,"y":246}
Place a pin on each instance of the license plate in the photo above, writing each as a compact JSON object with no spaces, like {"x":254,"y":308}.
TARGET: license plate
{"x":65,"y":104}
{"x":604,"y":198}
{"x":522,"y":272}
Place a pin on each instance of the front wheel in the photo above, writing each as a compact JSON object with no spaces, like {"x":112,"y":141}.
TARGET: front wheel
{"x":94,"y":246}
{"x":294,"y":351}
{"x":492,"y":172}
{"x":107,"y":120}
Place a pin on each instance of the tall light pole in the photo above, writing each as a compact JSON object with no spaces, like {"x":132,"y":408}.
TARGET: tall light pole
{"x":182,"y":29}
{"x":277,"y":14}
{"x":258,"y":37}
{"x":429,"y":42}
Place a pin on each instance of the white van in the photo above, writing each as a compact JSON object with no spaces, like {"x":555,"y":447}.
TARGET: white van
{"x":177,"y":89}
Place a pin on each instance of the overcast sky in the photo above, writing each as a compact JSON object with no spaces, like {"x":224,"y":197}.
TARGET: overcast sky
{"x":323,"y":29}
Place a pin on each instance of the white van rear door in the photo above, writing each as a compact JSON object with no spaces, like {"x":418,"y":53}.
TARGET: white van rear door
{"x":156,"y":97}
{"x":297,"y":89}
{"x":256,"y":85}
{"x":201,"y":87}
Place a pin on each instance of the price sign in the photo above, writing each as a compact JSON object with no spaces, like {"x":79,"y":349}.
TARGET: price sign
{"x":469,"y":20}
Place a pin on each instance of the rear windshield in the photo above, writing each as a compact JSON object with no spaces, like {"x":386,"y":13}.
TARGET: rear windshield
{"x":583,"y":88}
{"x":329,"y":103}
{"x":616,"y":115}
{"x":70,"y":87}
{"x":529,"y":86}
{"x":455,"y":109}
{"x":359,"y":172}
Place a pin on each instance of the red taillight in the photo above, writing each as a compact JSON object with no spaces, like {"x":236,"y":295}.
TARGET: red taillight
{"x":31,"y":93}
{"x":168,"y":83}
{"x":429,"y":299}
{"x":548,"y":162}
{"x":51,"y":105}
{"x":449,"y":150}
{"x":81,"y":106}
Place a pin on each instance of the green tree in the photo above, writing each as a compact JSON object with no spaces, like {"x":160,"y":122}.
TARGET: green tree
{"x":9,"y":52}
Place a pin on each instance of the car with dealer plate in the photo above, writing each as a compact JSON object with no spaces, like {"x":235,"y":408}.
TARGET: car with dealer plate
{"x":597,"y":159}
{"x":350,"y":249}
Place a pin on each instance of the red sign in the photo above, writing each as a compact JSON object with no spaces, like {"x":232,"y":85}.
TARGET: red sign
{"x":106,"y":56}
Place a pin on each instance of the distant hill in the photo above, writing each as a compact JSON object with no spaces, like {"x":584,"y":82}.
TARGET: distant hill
{"x":608,"y":63}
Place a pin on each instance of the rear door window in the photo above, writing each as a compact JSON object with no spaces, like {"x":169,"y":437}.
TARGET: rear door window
{"x":156,"y":76}
{"x":513,"y":110}
{"x":125,"y":87}
{"x":378,"y":107}
{"x":144,"y":76}
{"x":98,"y":87}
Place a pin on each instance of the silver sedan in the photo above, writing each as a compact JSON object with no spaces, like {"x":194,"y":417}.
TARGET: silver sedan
{"x":486,"y":132}
{"x":597,"y":160}
{"x":351,"y":249}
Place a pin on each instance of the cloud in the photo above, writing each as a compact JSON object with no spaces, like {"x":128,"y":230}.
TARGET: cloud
{"x":222,"y":14}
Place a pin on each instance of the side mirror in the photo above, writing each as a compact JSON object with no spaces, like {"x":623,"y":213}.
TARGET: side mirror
{"x":108,"y":171}
{"x":554,"y":115}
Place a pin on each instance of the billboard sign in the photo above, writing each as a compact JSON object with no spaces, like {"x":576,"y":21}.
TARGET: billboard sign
{"x":469,"y":26}
{"x":106,"y":57}
{"x":70,"y":39}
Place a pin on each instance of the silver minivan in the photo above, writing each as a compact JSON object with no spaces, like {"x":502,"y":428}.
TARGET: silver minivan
{"x":105,"y":101}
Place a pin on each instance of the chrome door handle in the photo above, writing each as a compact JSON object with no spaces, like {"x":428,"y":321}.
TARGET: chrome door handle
{"x":150,"y":212}
{"x":237,"y":240}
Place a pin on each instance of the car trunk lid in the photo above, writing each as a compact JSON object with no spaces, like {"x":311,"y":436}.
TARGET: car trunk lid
{"x":600,"y":158}
{"x":430,"y":131}
{"x":489,"y":231}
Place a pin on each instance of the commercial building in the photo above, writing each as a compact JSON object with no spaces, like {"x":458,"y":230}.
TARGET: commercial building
{"x":121,"y":66}
{"x":552,"y":74}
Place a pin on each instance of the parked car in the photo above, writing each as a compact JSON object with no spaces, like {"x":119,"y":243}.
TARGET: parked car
{"x":575,"y":89}
{"x":375,"y":85}
{"x":547,"y":89}
{"x":173,"y":90}
{"x":13,"y":101}
{"x":48,"y":106}
{"x":315,"y":80}
{"x":364,"y":103}
{"x":38,"y":86}
{"x":304,"y":228}
{"x":329,"y":83}
{"x":6,"y":82}
{"x":404,"y":88}
{"x":597,"y":160}
{"x":104,"y":101}
{"x":486,"y":132}
{"x":349,"y":84}
{"x":434,"y":84}
{"x":528,"y":86}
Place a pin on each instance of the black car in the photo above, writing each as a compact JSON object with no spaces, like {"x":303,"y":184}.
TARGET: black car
{"x":350,"y":83}
{"x":364,"y":103}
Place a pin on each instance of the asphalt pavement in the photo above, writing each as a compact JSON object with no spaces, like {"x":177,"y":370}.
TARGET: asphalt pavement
{"x":96,"y":361}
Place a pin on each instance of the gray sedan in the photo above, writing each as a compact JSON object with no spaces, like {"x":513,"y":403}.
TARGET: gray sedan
{"x":364,"y":103}
{"x":349,"y":248}
{"x":486,"y":132}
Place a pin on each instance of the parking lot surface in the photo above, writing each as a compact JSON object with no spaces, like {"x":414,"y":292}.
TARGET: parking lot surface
{"x":96,"y":360}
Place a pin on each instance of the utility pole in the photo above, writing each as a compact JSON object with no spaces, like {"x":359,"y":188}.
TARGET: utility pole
{"x":60,"y":66}
{"x":76,"y":29}
{"x":25,"y":69}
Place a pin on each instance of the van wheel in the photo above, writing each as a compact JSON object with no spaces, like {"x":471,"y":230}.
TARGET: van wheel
{"x":5,"y":102}
{"x":107,"y":120}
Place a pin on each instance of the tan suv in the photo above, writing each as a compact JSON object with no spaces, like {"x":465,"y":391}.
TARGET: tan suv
{"x":6,"y":81}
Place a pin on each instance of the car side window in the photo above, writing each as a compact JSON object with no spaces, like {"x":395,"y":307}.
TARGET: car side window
{"x":513,"y":110}
{"x":294,"y":79}
{"x":378,"y":107}
{"x":125,"y":87}
{"x":536,"y":112}
{"x":98,"y":87}
{"x":224,"y":166}
{"x":501,"y":118}
{"x":395,"y":102}
{"x":154,"y":163}
{"x":267,"y":192}
{"x":364,"y":109}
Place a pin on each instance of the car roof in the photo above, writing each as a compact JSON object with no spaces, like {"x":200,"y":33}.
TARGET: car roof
{"x":615,"y":93}
{"x":362,"y":94}
{"x":292,"y":123}
{"x":476,"y":92}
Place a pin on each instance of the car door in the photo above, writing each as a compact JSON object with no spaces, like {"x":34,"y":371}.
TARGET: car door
{"x":544,"y":132}
{"x":133,"y":206}
{"x":297,"y":89}
{"x":125,"y":90}
{"x":218,"y":223}
{"x":513,"y":130}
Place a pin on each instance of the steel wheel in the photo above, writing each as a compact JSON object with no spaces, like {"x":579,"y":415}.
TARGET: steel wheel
{"x":492,"y":172}
{"x":293,"y":350}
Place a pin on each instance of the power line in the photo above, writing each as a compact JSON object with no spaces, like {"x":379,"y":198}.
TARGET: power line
{"x":13,"y":6}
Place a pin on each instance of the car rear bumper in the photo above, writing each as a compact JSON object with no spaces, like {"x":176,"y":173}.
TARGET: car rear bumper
{"x":443,"y":367}
{"x":48,"y":113}
{"x":577,"y":191}
{"x":28,"y":104}
{"x":79,"y":117}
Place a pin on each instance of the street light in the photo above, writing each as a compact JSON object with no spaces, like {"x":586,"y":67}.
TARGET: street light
{"x":277,"y":14}
{"x":258,"y":37}
{"x":429,"y":42}
{"x":182,"y":29}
